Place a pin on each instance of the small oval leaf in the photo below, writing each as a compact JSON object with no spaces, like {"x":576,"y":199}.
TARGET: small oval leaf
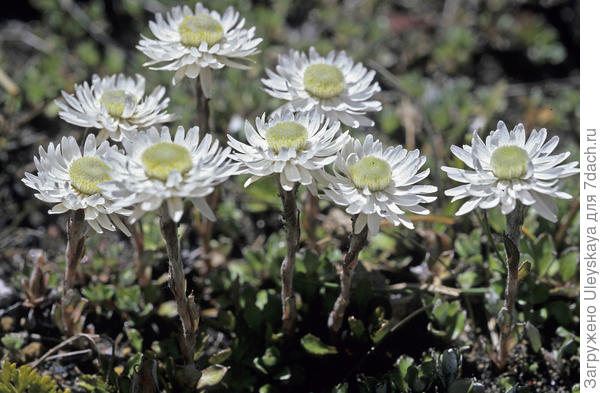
{"x":211,"y":376}
{"x":313,"y":344}
{"x":220,"y":357}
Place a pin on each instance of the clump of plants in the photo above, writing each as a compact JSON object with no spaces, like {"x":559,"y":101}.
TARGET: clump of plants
{"x":128,"y":168}
{"x":24,"y":379}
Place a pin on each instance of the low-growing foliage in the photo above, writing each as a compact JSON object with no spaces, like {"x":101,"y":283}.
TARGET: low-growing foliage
{"x":334,"y":261}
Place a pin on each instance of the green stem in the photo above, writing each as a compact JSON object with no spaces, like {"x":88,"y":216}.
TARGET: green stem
{"x":202,"y":109}
{"x":357,"y":242}
{"x":514,"y":222}
{"x":186,"y":307}
{"x":73,"y":254}
{"x":292,"y":232}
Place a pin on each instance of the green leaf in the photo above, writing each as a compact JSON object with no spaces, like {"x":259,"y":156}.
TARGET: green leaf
{"x":380,"y":333}
{"x":459,"y":324}
{"x":94,"y":384}
{"x":128,"y":299}
{"x":568,"y":265}
{"x":461,"y":386}
{"x":449,"y":365}
{"x":12,"y":342}
{"x":259,"y":366}
{"x":25,"y":380}
{"x":220,"y":357}
{"x":266,"y":389}
{"x":312,"y":344}
{"x":534,"y":337}
{"x":271,"y":357}
{"x":284,"y":374}
{"x":357,"y":328}
{"x":167,"y":309}
{"x":99,"y":293}
{"x":402,"y":365}
{"x":524,"y":270}
{"x":340,"y":388}
{"x":211,"y":376}
{"x":467,"y":279}
{"x":383,"y":242}
{"x":544,"y":255}
{"x":441,"y":311}
{"x":135,"y":338}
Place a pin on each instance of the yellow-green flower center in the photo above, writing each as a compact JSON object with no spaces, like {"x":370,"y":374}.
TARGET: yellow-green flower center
{"x":86,"y":173}
{"x":115,"y":100}
{"x":162,"y":158}
{"x":371,"y":172}
{"x":324,"y":81}
{"x":286,"y":134}
{"x":196,"y":29}
{"x":509,"y":162}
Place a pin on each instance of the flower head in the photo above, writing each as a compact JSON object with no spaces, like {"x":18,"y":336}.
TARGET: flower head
{"x":158,"y":168}
{"x":508,"y":168}
{"x":191,"y":43}
{"x":296,"y":146}
{"x":72,"y":181}
{"x":333,"y":86}
{"x":115,"y":104}
{"x":375,"y":183}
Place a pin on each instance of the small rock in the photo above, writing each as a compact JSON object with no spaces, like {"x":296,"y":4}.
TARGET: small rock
{"x":7,"y":323}
{"x":33,"y":351}
{"x":6,"y":294}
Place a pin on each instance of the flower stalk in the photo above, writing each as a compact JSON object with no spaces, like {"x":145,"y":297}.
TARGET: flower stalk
{"x":291,"y":216}
{"x":311,"y":213}
{"x":357,"y":242}
{"x":203,"y":113}
{"x":137,"y":238}
{"x":202,"y":108}
{"x":187,"y":309}
{"x":514,"y":222}
{"x":73,"y":254}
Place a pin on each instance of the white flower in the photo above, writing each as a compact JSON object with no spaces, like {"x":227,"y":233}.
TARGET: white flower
{"x":71,"y":180}
{"x":297,"y":146}
{"x":377,"y":184}
{"x":507,"y":168}
{"x":191,"y":43}
{"x":332,"y":85}
{"x":115,"y":104}
{"x":159,"y":169}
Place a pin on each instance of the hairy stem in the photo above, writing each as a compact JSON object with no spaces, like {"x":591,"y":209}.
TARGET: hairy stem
{"x":186,"y":307}
{"x":292,"y":236}
{"x":137,"y":238}
{"x":202,"y":108}
{"x":203,"y":113}
{"x":357,"y":242}
{"x":514,"y":222}
{"x":311,"y":212}
{"x":73,"y":254}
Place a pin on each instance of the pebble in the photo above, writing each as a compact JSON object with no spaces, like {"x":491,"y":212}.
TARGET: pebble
{"x":33,"y":351}
{"x":7,"y":323}
{"x":6,"y":294}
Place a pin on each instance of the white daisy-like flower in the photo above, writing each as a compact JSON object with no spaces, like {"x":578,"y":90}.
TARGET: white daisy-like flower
{"x":333,"y":85}
{"x":157,"y":168}
{"x":379,"y":184}
{"x":116,"y":105}
{"x":191,"y":43}
{"x":296,"y":146}
{"x":72,"y":180}
{"x":508,"y":168}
